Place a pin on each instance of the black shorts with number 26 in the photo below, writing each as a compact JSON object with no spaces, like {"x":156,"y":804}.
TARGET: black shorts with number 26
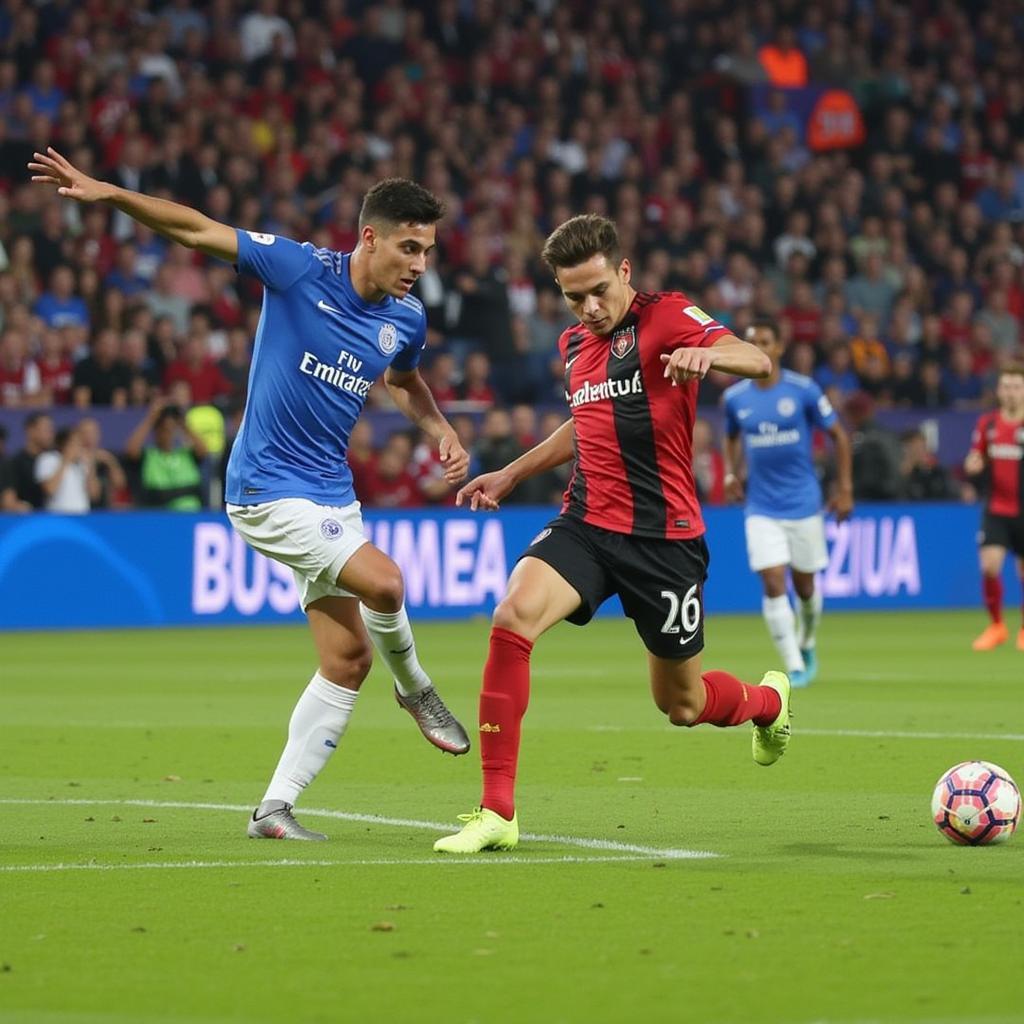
{"x":660,"y":582}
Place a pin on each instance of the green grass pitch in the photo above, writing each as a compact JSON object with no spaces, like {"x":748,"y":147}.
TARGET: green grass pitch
{"x":129,"y":893}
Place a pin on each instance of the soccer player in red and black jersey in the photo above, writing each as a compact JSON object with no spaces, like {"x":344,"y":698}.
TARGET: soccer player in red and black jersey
{"x":997,"y":451}
{"x":630,"y":523}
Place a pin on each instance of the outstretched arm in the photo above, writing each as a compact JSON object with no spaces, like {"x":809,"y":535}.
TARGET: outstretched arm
{"x":179,"y":223}
{"x":410,"y":393}
{"x":487,"y":490}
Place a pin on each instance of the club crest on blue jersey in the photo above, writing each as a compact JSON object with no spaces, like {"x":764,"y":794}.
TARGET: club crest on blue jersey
{"x":330,"y":529}
{"x":387,"y":338}
{"x":786,"y":406}
{"x":623,"y":342}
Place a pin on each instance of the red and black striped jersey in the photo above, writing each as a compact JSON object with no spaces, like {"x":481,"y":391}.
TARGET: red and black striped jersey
{"x":1001,"y":443}
{"x":634,"y":428}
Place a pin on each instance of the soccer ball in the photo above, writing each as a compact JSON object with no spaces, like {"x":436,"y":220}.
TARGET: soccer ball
{"x":976,"y":803}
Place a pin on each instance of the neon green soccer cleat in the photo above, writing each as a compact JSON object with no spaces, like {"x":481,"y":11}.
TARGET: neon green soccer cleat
{"x":769,"y":742}
{"x":484,"y":830}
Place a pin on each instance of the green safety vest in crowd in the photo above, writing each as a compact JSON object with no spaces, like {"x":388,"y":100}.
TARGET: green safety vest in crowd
{"x":172,"y":471}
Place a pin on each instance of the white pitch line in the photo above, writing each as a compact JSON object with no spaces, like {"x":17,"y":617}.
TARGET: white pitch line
{"x":382,"y":862}
{"x":609,"y":845}
{"x":884,"y":734}
{"x":870,"y":734}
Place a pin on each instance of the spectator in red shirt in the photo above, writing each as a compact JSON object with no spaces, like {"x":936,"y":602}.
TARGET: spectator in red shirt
{"x":56,"y":370}
{"x":362,"y":459}
{"x":956,"y":322}
{"x":476,"y":373}
{"x":803,"y":315}
{"x":393,"y":485}
{"x":20,"y":382}
{"x":440,"y":378}
{"x":199,"y":371}
{"x":708,"y":465}
{"x":783,"y":61}
{"x":427,"y":470}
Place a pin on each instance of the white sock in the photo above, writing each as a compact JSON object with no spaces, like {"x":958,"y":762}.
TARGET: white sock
{"x":810,"y":616}
{"x":392,"y":636}
{"x":316,"y":726}
{"x":782,"y":626}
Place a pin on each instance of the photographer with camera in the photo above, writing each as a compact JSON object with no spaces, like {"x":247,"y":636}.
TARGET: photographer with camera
{"x":168,"y":469}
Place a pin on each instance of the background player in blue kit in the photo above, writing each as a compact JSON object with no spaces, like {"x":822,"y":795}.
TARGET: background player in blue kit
{"x":331,"y":324}
{"x":773,"y":420}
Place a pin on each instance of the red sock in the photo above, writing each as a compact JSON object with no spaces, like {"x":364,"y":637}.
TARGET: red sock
{"x":992,"y":588}
{"x":731,"y":702}
{"x":506,"y":692}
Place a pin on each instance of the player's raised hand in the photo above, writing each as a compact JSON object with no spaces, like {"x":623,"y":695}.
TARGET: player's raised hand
{"x":974,"y":463}
{"x":485,"y":492}
{"x":686,"y":364}
{"x":454,"y":458}
{"x":50,"y":168}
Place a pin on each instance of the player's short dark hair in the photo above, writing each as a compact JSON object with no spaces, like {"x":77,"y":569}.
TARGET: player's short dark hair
{"x":766,"y":323}
{"x":579,"y":239}
{"x":394,"y":201}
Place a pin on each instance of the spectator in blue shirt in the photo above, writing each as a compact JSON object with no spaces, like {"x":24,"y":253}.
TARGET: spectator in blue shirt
{"x":125,"y":277}
{"x":60,"y":306}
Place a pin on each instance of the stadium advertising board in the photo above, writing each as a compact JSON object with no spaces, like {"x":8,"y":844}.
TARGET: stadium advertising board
{"x":151,"y":568}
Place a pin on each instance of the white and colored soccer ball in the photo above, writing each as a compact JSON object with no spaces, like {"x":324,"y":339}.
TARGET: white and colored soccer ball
{"x":976,"y":803}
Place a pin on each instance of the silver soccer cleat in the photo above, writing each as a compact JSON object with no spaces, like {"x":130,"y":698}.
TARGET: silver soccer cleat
{"x":436,"y":722}
{"x":278,"y":823}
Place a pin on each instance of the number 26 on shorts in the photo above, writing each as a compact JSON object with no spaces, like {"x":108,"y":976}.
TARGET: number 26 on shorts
{"x":683,"y":615}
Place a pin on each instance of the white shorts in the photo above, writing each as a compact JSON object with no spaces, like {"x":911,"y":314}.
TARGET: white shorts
{"x":315,"y":541}
{"x":799,"y":543}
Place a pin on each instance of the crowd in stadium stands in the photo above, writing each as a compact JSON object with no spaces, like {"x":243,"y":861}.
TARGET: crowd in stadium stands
{"x":894,"y":263}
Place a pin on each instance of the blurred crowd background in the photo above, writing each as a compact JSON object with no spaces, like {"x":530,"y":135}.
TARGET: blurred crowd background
{"x":854,"y":168}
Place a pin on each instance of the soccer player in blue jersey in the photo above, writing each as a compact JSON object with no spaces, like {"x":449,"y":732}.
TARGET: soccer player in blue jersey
{"x":772,"y":421}
{"x":331,"y":324}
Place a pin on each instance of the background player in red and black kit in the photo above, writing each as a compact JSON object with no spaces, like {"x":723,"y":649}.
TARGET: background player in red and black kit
{"x":630,"y":524}
{"x":997,"y":451}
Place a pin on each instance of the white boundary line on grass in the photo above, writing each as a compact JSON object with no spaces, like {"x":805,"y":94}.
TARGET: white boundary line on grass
{"x":625,"y":851}
{"x":869,"y":734}
{"x":382,"y":862}
{"x":886,"y":734}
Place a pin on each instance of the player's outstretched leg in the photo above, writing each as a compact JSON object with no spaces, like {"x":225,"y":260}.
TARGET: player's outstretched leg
{"x":995,"y":633}
{"x":316,"y":726}
{"x":503,"y":702}
{"x":718,"y":698}
{"x":391,"y":634}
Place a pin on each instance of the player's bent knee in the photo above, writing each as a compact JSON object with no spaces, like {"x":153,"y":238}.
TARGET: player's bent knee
{"x":387,"y":592}
{"x":348,"y":669}
{"x":513,"y":615}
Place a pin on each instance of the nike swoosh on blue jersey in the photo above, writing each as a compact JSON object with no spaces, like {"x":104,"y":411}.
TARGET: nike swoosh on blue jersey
{"x":328,"y":309}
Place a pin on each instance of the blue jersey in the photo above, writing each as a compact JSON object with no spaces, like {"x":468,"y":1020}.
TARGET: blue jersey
{"x":319,"y":348}
{"x":777,"y":424}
